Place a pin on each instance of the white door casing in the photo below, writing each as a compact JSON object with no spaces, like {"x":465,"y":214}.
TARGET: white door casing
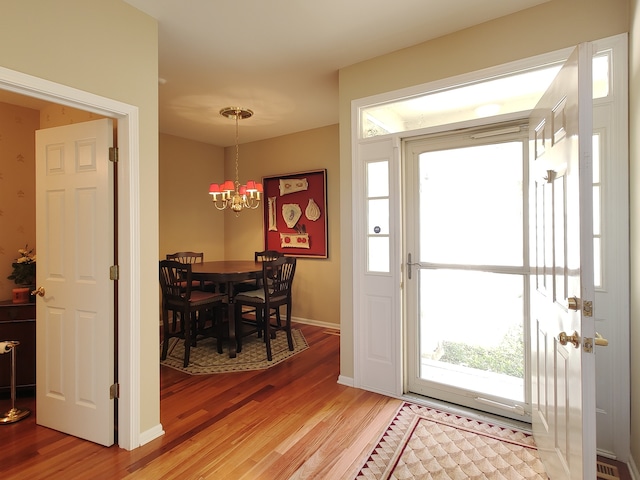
{"x":613,"y":383}
{"x":561,"y":240}
{"x":129,"y":435}
{"x":75,"y":328}
{"x":610,"y":123}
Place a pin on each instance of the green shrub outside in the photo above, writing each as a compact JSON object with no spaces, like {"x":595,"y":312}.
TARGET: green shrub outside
{"x":507,"y":358}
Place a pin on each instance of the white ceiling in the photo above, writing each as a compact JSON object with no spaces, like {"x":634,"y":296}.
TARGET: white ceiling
{"x":280,"y":58}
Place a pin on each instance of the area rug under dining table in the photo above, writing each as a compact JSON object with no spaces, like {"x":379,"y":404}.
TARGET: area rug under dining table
{"x":425,"y":443}
{"x":205,"y":360}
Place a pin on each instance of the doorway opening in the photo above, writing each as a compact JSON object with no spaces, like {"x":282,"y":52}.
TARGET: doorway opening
{"x":380,"y":262}
{"x":128,"y":228}
{"x":466,"y":217}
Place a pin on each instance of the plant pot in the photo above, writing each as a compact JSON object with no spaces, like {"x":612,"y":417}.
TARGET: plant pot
{"x":21,"y":295}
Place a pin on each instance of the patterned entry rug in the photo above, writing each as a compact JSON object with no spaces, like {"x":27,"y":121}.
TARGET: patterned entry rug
{"x":205,"y":359}
{"x":423,"y":443}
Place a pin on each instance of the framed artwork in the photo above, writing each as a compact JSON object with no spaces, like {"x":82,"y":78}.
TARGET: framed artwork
{"x":295,"y":214}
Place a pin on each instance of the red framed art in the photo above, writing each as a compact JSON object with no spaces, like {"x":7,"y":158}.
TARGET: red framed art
{"x":295,"y":214}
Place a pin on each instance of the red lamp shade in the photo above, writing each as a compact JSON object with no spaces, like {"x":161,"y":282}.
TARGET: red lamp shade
{"x":214,"y":188}
{"x":227,"y":186}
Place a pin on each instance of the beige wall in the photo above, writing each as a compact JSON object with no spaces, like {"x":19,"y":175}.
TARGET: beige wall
{"x":188,"y":221}
{"x":110,"y":49}
{"x":547,"y":27}
{"x":634,"y":209}
{"x":17,"y":187}
{"x":316,"y":292}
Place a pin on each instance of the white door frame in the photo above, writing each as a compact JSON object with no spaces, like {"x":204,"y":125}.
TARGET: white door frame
{"x":128,"y":227}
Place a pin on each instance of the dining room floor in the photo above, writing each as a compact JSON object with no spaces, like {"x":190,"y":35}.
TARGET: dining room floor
{"x":292,"y":420}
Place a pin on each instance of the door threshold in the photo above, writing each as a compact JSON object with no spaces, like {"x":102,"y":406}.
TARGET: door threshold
{"x":468,"y":412}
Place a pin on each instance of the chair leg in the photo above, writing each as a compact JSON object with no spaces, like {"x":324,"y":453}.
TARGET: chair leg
{"x":288,"y":328}
{"x":267,"y":336}
{"x":218,"y":326}
{"x":238,"y":319}
{"x":187,"y":337}
{"x":259,"y":319}
{"x":165,"y":334}
{"x":278,"y":320}
{"x":195,"y":316}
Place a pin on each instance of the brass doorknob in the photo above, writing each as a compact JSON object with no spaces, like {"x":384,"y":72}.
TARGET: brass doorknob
{"x":574,"y":339}
{"x":39,"y":291}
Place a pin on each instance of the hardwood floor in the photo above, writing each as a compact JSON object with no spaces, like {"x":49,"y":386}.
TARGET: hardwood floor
{"x":292,"y":421}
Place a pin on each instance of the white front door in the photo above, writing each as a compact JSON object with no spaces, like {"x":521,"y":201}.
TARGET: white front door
{"x":562,"y":287}
{"x":74,"y":332}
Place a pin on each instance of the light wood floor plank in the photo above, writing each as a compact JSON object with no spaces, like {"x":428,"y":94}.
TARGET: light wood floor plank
{"x":292,"y":421}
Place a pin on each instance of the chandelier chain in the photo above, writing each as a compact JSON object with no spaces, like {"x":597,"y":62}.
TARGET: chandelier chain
{"x":237,"y":149}
{"x":236,"y":197}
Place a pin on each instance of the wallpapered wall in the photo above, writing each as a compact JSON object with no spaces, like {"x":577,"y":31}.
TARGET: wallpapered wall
{"x":17,"y":187}
{"x":17,"y":177}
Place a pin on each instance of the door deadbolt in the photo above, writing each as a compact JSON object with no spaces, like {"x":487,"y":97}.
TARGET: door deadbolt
{"x":573,"y":303}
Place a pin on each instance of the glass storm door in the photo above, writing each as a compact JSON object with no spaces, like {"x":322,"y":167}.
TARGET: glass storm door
{"x":467,"y":285}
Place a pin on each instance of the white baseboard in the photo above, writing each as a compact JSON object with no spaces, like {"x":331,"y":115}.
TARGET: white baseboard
{"x":151,"y":434}
{"x":306,"y":321}
{"x":346,"y":381}
{"x":633,"y":469}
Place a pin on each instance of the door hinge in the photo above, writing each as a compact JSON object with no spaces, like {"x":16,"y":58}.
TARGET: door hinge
{"x":114,"y":272}
{"x":113,"y":154}
{"x":114,"y":391}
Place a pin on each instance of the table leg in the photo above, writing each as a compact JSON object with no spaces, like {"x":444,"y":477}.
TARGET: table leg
{"x":233,"y":344}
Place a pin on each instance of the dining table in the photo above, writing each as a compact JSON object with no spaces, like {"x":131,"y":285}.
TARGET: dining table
{"x":229,"y":273}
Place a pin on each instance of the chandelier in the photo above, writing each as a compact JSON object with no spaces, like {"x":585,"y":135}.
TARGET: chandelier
{"x":231,"y":194}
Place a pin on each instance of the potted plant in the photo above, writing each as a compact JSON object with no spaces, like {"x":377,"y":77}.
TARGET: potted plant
{"x":24,"y":274}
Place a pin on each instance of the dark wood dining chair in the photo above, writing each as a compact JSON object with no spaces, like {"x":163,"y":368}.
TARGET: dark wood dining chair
{"x":193,"y":307}
{"x":193,"y":257}
{"x":275,"y":292}
{"x":256,"y":283}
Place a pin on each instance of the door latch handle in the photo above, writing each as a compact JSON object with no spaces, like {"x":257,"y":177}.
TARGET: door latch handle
{"x":600,"y":341}
{"x":38,"y":291}
{"x":409,"y":264}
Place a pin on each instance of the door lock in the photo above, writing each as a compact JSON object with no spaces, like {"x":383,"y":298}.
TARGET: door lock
{"x":573,"y":303}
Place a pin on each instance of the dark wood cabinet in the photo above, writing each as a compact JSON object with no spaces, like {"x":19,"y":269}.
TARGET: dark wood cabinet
{"x":18,"y":322}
